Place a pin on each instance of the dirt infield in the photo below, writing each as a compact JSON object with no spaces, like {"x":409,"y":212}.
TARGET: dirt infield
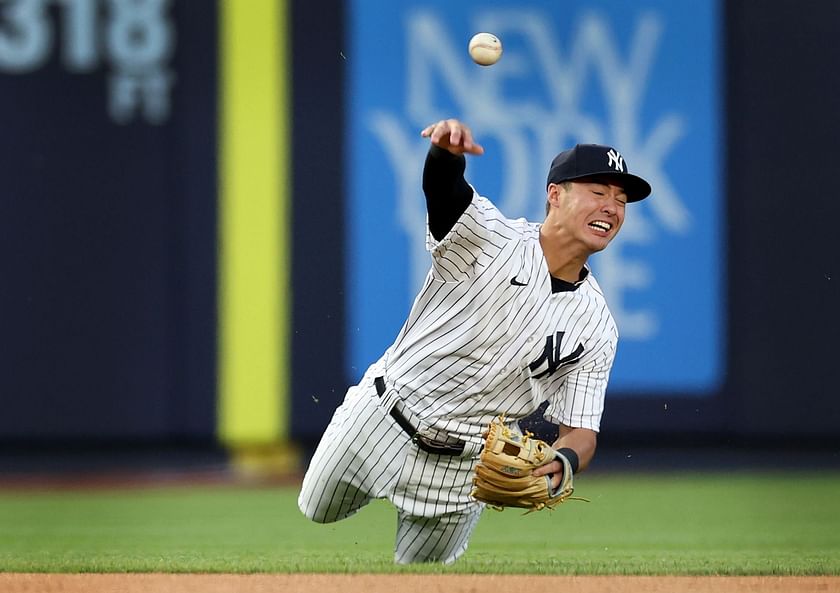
{"x":329,"y":583}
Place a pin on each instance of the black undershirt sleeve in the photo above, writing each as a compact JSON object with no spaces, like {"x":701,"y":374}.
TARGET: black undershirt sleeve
{"x":447,"y":192}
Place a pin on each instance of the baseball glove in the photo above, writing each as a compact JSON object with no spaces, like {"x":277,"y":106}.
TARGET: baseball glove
{"x":503,"y":474}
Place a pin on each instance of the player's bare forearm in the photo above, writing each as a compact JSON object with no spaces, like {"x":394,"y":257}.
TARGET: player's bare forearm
{"x":581,"y":440}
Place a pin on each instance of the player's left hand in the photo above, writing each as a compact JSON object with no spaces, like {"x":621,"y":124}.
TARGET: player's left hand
{"x":454,"y":136}
{"x":555,"y":468}
{"x":505,"y":476}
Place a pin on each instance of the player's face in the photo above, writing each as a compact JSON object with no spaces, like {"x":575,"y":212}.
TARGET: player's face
{"x":592,"y":210}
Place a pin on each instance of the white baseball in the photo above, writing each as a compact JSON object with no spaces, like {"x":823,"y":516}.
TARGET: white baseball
{"x":485,"y":49}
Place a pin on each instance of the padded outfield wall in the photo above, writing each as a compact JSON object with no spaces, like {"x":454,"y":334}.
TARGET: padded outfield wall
{"x":207,"y":231}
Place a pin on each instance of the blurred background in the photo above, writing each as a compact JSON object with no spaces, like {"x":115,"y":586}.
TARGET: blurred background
{"x":212,"y":219}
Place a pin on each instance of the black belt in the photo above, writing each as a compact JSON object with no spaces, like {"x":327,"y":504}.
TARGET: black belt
{"x":423,"y":443}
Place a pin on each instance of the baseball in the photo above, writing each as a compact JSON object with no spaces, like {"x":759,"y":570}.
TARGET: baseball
{"x":485,"y":49}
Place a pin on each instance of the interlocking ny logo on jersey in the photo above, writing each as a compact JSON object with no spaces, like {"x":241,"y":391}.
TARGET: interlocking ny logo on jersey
{"x":616,"y":160}
{"x":551,"y":354}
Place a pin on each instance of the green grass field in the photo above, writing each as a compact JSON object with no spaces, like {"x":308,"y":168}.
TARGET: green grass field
{"x":697,"y":524}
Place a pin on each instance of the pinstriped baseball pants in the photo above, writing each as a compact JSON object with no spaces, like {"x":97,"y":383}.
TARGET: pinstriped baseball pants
{"x":364,"y":455}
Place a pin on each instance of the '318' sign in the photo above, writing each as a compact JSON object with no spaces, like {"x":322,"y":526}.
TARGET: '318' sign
{"x":135,"y":37}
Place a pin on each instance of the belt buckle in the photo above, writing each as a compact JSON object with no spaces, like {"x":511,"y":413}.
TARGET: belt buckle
{"x":437,"y":447}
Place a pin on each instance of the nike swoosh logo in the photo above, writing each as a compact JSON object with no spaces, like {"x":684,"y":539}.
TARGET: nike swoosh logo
{"x":516,"y":282}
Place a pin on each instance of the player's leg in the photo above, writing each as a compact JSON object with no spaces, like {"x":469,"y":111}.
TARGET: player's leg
{"x":434,"y":539}
{"x":357,"y":459}
{"x":326,"y":494}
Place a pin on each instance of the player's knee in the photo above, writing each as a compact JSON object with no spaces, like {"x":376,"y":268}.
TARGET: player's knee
{"x":313,"y":511}
{"x":438,"y":552}
{"x":318,"y":517}
{"x":447,"y":557}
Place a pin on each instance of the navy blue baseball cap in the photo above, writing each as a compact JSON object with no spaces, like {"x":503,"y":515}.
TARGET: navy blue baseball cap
{"x":585,"y":160}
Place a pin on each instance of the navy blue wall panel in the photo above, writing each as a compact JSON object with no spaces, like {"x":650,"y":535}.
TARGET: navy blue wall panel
{"x":107,"y":223}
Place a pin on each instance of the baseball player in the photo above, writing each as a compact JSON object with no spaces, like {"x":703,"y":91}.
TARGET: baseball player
{"x":509,"y":317}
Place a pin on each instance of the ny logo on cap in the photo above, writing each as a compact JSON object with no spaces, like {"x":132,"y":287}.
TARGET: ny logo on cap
{"x":616,"y":160}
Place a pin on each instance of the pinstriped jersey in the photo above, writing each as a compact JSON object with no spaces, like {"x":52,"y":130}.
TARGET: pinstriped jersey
{"x":488,"y":335}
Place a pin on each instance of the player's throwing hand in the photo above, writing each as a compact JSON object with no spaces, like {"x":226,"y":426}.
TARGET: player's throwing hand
{"x":454,"y":136}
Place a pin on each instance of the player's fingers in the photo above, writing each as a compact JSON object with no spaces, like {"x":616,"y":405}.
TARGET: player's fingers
{"x":427,"y":131}
{"x":473,"y":148}
{"x":452,"y":135}
{"x":456,"y":132}
{"x":553,"y":470}
{"x":461,"y":136}
{"x":548,"y":468}
{"x":440,"y":132}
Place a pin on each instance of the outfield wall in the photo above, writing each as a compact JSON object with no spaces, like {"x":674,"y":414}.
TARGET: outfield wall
{"x":122,"y":218}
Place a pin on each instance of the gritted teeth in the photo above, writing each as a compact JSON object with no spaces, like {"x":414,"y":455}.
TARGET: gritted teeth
{"x":601,"y":225}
